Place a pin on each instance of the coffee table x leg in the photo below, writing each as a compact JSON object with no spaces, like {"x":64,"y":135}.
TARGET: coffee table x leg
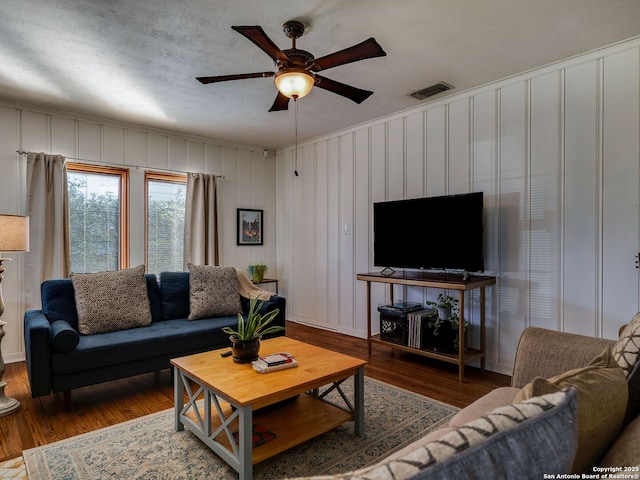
{"x":356,"y":408}
{"x":240,"y":456}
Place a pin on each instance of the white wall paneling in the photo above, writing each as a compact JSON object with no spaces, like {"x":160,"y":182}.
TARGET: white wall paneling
{"x":250,"y":182}
{"x":333,"y":236}
{"x":345,"y":227}
{"x":178,"y":159}
{"x":13,"y":170}
{"x":320,"y":244}
{"x":620,"y":174}
{"x":545,"y":144}
{"x":114,"y":145}
{"x":556,"y":152}
{"x":307,"y":236}
{"x":196,"y":157}
{"x":361,"y":224}
{"x":157,"y":151}
{"x":514,"y":220}
{"x":89,"y":141}
{"x":581,"y":181}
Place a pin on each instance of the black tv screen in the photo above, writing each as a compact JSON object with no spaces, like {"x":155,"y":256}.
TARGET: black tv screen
{"x":442,"y":232}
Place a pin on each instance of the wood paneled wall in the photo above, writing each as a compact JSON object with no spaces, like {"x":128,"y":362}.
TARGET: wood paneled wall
{"x":556,"y":153}
{"x":249,"y":183}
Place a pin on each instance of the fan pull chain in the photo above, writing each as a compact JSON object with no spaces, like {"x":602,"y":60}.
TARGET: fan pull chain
{"x":295,"y":165}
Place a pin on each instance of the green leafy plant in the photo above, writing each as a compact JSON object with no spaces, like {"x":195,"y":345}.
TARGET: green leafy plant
{"x":261,"y":265}
{"x":445,"y":301}
{"x":256,"y":324}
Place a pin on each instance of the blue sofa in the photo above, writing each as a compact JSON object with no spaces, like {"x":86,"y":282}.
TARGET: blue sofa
{"x":60,"y":359}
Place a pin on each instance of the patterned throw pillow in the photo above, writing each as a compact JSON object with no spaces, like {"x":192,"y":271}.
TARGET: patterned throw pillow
{"x":109,"y":301}
{"x":213,"y":292}
{"x":497,"y":445}
{"x":626,"y":352}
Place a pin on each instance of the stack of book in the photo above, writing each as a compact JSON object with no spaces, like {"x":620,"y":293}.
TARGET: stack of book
{"x":276,"y":361}
{"x":415,"y":322}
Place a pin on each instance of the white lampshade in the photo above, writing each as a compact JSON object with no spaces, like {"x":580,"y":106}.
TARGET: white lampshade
{"x":294,"y":83}
{"x":14,"y":233}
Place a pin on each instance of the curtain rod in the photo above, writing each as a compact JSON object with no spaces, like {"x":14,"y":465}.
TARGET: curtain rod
{"x":93,"y":162}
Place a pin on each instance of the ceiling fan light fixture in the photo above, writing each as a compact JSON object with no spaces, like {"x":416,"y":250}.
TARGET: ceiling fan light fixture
{"x":294,"y":83}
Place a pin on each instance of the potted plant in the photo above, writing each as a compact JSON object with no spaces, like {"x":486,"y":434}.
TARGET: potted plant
{"x":445,"y":324}
{"x":445,"y":305}
{"x":257,"y":271}
{"x":245,"y":341}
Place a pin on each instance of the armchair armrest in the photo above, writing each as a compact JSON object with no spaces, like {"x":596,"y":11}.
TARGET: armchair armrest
{"x":546,"y":353}
{"x":37,"y":341}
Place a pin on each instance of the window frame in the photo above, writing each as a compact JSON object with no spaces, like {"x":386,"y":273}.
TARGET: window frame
{"x":167,"y":177}
{"x":123,"y":174}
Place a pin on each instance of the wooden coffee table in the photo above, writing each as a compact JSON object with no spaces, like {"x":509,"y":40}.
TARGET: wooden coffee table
{"x":222,"y":396}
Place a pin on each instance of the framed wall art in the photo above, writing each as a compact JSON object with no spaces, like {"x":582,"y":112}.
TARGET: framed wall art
{"x":249,"y":227}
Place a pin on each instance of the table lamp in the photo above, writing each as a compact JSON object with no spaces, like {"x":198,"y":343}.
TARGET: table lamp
{"x":14,"y":237}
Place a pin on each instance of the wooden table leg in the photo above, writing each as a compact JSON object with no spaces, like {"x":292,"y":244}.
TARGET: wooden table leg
{"x":358,"y":400}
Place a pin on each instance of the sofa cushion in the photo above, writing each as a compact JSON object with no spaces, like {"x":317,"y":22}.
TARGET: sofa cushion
{"x":625,"y":452}
{"x":497,"y":445}
{"x":59,"y":301}
{"x":174,"y":291}
{"x":498,"y":397}
{"x":63,"y":336}
{"x":602,"y":400}
{"x":109,"y":301}
{"x":213,"y":292}
{"x":175,"y":338}
{"x":626,"y":352}
{"x":153,"y":291}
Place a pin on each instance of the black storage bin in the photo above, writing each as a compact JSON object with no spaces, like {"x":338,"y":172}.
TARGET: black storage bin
{"x":393,"y":328}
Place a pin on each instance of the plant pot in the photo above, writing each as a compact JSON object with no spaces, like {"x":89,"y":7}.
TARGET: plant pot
{"x":257,"y":272}
{"x":444,"y":313}
{"x":244,"y":351}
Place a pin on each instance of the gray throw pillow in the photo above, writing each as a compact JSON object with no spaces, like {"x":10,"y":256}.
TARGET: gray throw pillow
{"x":109,"y":301}
{"x":213,"y":292}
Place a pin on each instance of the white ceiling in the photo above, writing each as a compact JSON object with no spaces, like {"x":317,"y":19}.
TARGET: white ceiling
{"x":136,"y":60}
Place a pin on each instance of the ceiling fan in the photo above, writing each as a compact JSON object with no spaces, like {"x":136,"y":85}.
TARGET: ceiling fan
{"x":296,"y":69}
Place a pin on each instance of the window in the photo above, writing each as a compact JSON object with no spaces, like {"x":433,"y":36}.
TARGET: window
{"x":166,"y":201}
{"x":98,"y":198}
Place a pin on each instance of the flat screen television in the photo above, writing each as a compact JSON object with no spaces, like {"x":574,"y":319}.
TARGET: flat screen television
{"x":442,"y":232}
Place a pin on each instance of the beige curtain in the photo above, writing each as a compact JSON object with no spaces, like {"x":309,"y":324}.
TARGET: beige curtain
{"x":201,"y":221}
{"x":48,"y":211}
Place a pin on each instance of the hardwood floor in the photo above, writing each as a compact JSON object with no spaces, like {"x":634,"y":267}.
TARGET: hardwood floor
{"x":43,"y":420}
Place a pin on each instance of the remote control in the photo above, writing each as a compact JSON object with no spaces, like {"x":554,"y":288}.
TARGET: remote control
{"x":225,"y":354}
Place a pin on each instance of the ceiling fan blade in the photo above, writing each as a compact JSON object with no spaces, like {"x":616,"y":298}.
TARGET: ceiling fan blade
{"x":352,"y":93}
{"x":281,"y":103}
{"x":240,"y":76}
{"x":367,"y":49}
{"x":257,"y":35}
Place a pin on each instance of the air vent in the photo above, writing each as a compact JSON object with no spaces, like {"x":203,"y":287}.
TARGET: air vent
{"x":430,"y":91}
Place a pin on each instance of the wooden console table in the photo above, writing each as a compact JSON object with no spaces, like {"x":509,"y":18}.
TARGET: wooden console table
{"x":434,"y":280}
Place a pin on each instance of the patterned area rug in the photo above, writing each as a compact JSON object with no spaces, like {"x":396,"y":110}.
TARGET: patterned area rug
{"x":149,"y":447}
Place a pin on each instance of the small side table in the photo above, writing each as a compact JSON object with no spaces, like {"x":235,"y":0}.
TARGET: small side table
{"x":267,"y":280}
